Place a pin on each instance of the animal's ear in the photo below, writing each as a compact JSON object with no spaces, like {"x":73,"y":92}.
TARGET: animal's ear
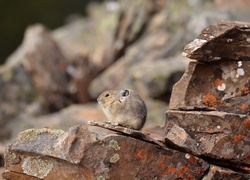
{"x":125,"y":93}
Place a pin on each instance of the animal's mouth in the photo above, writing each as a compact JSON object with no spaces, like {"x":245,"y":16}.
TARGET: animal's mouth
{"x":103,"y":104}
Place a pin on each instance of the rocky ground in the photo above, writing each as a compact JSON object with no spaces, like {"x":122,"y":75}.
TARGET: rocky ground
{"x":53,"y":79}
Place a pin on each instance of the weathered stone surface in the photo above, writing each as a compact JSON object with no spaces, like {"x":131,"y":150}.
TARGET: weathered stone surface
{"x":222,"y":42}
{"x":16,"y":93}
{"x":216,"y":172}
{"x":45,"y":65}
{"x":82,"y":154}
{"x":179,"y":138}
{"x":217,"y":86}
{"x":231,"y":4}
{"x":218,"y":135}
{"x":64,"y":119}
{"x":126,"y":131}
{"x":209,"y":106}
{"x":147,"y":76}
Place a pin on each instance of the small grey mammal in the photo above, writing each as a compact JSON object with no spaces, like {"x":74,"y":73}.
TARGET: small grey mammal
{"x":124,"y":108}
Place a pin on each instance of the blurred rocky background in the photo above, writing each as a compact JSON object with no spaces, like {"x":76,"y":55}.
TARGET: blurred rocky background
{"x":59,"y":56}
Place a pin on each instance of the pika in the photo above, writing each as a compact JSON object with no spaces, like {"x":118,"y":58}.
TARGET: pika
{"x":124,"y":107}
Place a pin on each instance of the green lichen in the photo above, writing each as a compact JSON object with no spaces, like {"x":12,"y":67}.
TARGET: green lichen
{"x":12,"y":155}
{"x":101,"y":178}
{"x":114,"y":144}
{"x":127,"y":131}
{"x":105,"y":170}
{"x":242,"y":115}
{"x":30,"y":134}
{"x":184,"y":54}
{"x":8,"y":75}
{"x":199,"y":115}
{"x":14,"y":158}
{"x":114,"y":158}
{"x":37,"y":167}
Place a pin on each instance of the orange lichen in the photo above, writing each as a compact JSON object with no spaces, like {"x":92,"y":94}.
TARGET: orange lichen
{"x":62,"y":66}
{"x":179,"y":173}
{"x":174,"y":170}
{"x":210,"y":100}
{"x":152,"y":157}
{"x":243,"y":107}
{"x":238,"y":137}
{"x":245,"y":168}
{"x":200,"y":170}
{"x":192,"y":159}
{"x":162,"y":162}
{"x":220,"y":102}
{"x":86,"y":175}
{"x":141,"y":153}
{"x":185,"y":169}
{"x":246,"y":122}
{"x":190,"y":176}
{"x":217,"y":82}
{"x":162,"y":165}
{"x":245,"y":90}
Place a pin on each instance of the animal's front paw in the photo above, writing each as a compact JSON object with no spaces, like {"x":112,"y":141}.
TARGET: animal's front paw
{"x":112,"y":123}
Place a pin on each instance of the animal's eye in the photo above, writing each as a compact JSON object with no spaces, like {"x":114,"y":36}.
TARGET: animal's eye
{"x":107,"y":95}
{"x":125,"y":93}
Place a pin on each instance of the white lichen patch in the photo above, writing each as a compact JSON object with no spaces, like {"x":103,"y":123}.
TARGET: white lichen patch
{"x":37,"y":167}
{"x":195,"y":44}
{"x":187,"y":156}
{"x":199,"y":41}
{"x":226,"y":96}
{"x":217,"y":58}
{"x":232,"y":74}
{"x":229,"y":40}
{"x":240,"y":72}
{"x":222,"y":87}
{"x":239,"y":63}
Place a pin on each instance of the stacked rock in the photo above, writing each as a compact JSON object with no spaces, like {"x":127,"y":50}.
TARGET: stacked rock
{"x":210,"y":105}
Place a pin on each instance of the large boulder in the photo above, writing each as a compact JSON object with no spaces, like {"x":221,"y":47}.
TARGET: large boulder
{"x":209,"y":106}
{"x":81,"y":154}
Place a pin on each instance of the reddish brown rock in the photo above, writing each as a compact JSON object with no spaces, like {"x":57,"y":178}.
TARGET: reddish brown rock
{"x":232,"y":4}
{"x":222,"y":42}
{"x":209,"y":106}
{"x":217,"y":86}
{"x":216,"y":172}
{"x":147,"y":76}
{"x":45,"y":64}
{"x":217,"y":135}
{"x":81,"y":154}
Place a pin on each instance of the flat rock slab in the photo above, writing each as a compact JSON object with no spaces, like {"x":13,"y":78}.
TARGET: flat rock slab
{"x":220,"y":136}
{"x":81,"y":154}
{"x":222,"y":42}
{"x":219,"y":86}
{"x":126,"y":131}
{"x":216,"y":172}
